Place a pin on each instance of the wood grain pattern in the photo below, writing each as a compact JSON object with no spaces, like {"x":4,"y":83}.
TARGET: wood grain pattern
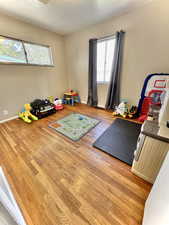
{"x":60,"y":182}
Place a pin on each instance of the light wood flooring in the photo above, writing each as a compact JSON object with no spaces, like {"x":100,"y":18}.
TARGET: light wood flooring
{"x":60,"y":182}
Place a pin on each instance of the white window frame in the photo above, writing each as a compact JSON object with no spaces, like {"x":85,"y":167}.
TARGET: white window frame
{"x":27,"y":63}
{"x":105,"y":61}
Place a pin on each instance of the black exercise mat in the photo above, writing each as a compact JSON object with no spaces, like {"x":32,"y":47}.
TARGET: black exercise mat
{"x":120,"y":140}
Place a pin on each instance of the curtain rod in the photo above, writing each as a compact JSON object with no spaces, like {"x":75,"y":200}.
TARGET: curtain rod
{"x":106,"y":37}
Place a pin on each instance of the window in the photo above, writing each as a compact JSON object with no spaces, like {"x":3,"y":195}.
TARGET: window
{"x":20,"y":52}
{"x":11,"y":51}
{"x":37,"y":54}
{"x":105,"y":54}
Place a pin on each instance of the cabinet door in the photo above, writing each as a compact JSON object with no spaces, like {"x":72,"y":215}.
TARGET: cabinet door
{"x":150,"y":159}
{"x":140,"y":143}
{"x":8,"y":201}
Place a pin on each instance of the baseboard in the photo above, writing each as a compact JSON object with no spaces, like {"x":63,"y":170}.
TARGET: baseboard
{"x":99,"y":106}
{"x":84,"y":102}
{"x":11,"y":118}
{"x":137,"y":173}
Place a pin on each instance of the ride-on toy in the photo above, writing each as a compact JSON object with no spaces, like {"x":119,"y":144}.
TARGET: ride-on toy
{"x":26,"y":115}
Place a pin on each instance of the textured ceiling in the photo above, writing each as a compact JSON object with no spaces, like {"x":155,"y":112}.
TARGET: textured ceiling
{"x":66,"y":16}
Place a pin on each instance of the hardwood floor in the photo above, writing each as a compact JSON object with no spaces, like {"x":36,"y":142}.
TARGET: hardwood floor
{"x":60,"y":182}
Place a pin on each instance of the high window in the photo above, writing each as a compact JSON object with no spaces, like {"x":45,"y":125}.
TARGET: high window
{"x":13,"y":51}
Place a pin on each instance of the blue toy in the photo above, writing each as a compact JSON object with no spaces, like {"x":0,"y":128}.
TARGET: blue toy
{"x":81,"y":118}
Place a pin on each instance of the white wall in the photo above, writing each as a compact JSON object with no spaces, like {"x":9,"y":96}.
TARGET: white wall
{"x":21,"y":84}
{"x":146,"y":49}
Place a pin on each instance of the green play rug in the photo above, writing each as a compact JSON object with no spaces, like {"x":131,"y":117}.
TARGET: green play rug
{"x":74,"y":126}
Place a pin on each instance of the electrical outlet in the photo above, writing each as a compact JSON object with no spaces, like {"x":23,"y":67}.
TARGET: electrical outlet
{"x":5,"y":112}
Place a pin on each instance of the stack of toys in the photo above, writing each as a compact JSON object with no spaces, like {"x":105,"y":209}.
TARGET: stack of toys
{"x":71,"y":97}
{"x":40,"y":108}
{"x":151,"y":94}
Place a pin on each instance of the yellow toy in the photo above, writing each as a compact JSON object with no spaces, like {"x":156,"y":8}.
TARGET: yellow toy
{"x":51,"y":99}
{"x":121,"y":109}
{"x":26,"y":115}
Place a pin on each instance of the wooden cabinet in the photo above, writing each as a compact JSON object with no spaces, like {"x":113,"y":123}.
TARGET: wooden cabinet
{"x":149,"y":158}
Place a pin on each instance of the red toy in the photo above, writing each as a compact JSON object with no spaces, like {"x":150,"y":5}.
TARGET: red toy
{"x":58,"y":104}
{"x":154,"y":86}
{"x":58,"y":107}
{"x":145,"y":109}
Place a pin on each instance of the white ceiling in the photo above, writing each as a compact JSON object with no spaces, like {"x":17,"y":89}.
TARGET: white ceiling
{"x":66,"y":16}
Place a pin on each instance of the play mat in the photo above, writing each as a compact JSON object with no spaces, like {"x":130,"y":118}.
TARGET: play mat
{"x":74,"y":126}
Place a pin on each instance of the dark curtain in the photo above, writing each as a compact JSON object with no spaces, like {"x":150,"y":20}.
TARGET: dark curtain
{"x":113,"y":97}
{"x":92,"y":82}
